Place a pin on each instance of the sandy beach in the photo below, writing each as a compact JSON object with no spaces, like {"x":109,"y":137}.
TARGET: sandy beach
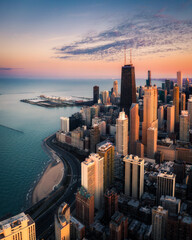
{"x":51,"y":178}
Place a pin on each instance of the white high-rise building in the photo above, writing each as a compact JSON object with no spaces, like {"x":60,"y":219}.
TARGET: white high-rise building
{"x":180,"y":80}
{"x":122,"y":134}
{"x":170,"y":119}
{"x":92,"y":177}
{"x":184,"y":126}
{"x":88,"y":175}
{"x":134,"y":176}
{"x":64,"y":124}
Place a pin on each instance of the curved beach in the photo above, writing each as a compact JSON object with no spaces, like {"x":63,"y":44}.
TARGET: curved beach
{"x":51,"y":178}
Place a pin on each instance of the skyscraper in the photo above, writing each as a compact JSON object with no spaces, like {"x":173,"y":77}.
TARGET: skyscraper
{"x":92,"y":177}
{"x":84,"y":206}
{"x":171,"y":204}
{"x":94,"y":137}
{"x":165,"y":185}
{"x":105,"y":96}
{"x":134,"y":176}
{"x":64,"y":124}
{"x":107,"y":151}
{"x":134,"y":127}
{"x":118,"y":226}
{"x":190,"y":112}
{"x":88,"y":175}
{"x":168,"y":85}
{"x":128,"y":88}
{"x":160,"y":117}
{"x":176,"y":103}
{"x":148,"y":81}
{"x":95,"y":94}
{"x":20,"y":226}
{"x":62,"y":222}
{"x":170,"y":119}
{"x":149,"y":111}
{"x":159,"y":221}
{"x":180,"y":80}
{"x":151,"y":142}
{"x":122,"y":134}
{"x":115,"y":88}
{"x":111,"y":203}
{"x":183,"y":101}
{"x":187,"y":88}
{"x":184,"y":126}
{"x":77,"y":229}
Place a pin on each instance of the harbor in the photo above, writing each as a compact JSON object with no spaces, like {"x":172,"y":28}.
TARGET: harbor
{"x":57,"y":101}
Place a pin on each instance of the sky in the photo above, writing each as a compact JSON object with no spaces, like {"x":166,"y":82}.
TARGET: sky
{"x":86,"y":39}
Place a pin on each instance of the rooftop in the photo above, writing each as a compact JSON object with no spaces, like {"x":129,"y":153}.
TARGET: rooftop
{"x":104,"y":146}
{"x":88,"y":161}
{"x":133,"y":159}
{"x":166,"y":175}
{"x":83,"y":192}
{"x":61,"y":212}
{"x":78,"y":224}
{"x":187,"y":219}
{"x":14,"y":221}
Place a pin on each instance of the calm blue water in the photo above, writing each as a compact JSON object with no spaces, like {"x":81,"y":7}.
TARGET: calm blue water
{"x":22,"y":159}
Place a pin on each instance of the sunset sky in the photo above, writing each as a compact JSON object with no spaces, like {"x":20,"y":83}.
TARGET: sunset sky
{"x":85,"y":39}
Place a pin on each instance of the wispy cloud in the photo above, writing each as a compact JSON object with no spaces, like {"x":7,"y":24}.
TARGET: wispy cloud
{"x":5,"y":69}
{"x":8,"y":68}
{"x":146,"y":33}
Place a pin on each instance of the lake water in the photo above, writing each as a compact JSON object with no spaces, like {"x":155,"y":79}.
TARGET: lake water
{"x":22,"y":159}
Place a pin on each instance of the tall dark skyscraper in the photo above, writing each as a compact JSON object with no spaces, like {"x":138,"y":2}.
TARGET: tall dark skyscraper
{"x":95,"y":94}
{"x":148,"y":81}
{"x":128,"y":88}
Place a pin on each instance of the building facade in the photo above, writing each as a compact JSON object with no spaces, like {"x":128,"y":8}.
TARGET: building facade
{"x":20,"y":227}
{"x":122,"y":134}
{"x":107,"y":151}
{"x":134,"y":127}
{"x":84,"y":207}
{"x":128,"y":87}
{"x":62,"y":222}
{"x":184,"y":126}
{"x":170,"y":119}
{"x":149,"y":111}
{"x":95,"y":94}
{"x":64,"y":124}
{"x":165,"y":185}
{"x":159,"y":221}
{"x":180,"y":80}
{"x":151,"y":142}
{"x":176,"y":103}
{"x":134,"y":176}
{"x":92,"y":177}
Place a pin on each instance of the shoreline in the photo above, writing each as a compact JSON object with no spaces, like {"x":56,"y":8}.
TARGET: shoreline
{"x":49,"y":179}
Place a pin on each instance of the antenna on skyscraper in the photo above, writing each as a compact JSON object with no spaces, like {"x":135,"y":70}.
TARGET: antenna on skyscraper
{"x":125,"y":55}
{"x":130,"y":56}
